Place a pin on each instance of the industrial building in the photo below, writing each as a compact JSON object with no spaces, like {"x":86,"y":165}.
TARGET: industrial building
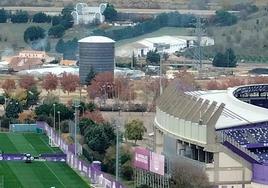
{"x":223,"y":132}
{"x":97,"y":52}
{"x":83,"y":14}
{"x":163,"y":44}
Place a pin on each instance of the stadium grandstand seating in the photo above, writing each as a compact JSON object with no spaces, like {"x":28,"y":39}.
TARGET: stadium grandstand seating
{"x":255,"y":139}
{"x":249,"y":135}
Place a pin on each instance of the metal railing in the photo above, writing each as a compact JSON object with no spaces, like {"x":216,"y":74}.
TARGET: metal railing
{"x":223,"y":137}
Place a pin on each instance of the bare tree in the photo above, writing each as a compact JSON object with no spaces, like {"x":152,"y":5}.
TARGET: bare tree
{"x":186,"y":175}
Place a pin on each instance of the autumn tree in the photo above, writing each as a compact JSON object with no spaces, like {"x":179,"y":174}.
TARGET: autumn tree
{"x":27,"y":81}
{"x":50,"y":82}
{"x":8,"y":85}
{"x":185,"y":81}
{"x":95,"y":116}
{"x":69,"y":82}
{"x":27,"y":117}
{"x":212,"y":85}
{"x":101,"y":85}
{"x":134,"y":130}
{"x":124,"y":88}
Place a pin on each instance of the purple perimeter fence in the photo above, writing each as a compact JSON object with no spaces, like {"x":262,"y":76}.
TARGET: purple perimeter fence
{"x":91,"y":171}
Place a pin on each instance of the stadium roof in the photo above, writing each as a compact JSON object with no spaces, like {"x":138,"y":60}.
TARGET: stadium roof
{"x":219,"y":108}
{"x":96,"y":39}
{"x":236,"y":112}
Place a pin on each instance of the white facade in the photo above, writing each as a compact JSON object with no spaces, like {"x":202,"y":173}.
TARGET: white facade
{"x":83,"y":14}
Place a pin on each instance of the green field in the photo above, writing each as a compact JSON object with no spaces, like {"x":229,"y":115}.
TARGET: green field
{"x":25,"y":143}
{"x":39,"y":175}
{"x":16,"y":174}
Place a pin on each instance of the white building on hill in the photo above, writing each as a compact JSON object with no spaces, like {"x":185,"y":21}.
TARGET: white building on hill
{"x":83,"y":14}
{"x":163,"y":44}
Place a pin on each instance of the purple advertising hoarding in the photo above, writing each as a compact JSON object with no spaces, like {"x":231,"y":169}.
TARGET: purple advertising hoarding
{"x":92,"y":171}
{"x":141,"y":159}
{"x":157,"y":163}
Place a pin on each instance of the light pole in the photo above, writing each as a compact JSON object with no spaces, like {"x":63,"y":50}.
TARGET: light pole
{"x":59,"y":122}
{"x":54,"y":116}
{"x":76,"y":105}
{"x":83,"y":110}
{"x":117,"y":151}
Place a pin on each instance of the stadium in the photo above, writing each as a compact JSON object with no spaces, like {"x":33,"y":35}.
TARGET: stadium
{"x":224,"y":132}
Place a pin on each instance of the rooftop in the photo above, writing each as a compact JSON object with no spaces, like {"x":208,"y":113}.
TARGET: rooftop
{"x":236,"y":112}
{"x":96,"y":39}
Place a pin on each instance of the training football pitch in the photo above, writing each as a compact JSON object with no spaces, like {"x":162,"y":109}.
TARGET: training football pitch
{"x":38,"y":174}
{"x":25,"y":143}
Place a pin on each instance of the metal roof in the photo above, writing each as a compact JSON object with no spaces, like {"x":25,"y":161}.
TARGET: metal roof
{"x":219,"y":108}
{"x":236,"y":112}
{"x":96,"y":39}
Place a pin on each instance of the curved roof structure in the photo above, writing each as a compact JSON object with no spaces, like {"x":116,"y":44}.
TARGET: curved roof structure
{"x":96,"y":39}
{"x":234,"y":113}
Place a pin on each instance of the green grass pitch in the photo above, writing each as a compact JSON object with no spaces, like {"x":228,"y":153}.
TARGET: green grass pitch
{"x":25,"y":143}
{"x":18,"y":174}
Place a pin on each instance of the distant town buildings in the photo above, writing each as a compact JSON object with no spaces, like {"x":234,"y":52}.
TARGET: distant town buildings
{"x":83,"y":14}
{"x":163,"y":44}
{"x":27,"y":59}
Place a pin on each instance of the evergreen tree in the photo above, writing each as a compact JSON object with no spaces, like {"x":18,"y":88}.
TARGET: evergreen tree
{"x":41,"y":18}
{"x":33,"y":33}
{"x":91,"y":75}
{"x":20,"y":17}
{"x":3,"y":16}
{"x":56,"y":31}
{"x":110,"y":13}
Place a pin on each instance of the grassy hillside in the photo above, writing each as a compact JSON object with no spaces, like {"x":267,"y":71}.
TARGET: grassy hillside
{"x":171,"y":4}
{"x":247,"y":37}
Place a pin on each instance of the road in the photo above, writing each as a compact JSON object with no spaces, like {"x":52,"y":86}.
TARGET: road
{"x":57,"y":10}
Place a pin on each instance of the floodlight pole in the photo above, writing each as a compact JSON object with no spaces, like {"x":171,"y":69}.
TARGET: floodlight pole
{"x":59,"y":122}
{"x":117,"y":151}
{"x":76,"y":105}
{"x":54,"y":116}
{"x":75,"y":124}
{"x":160,"y":77}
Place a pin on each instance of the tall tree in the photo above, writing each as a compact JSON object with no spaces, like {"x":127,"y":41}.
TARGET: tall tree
{"x":102,"y":85}
{"x":33,"y":33}
{"x":3,"y":16}
{"x":13,"y":109}
{"x":91,"y":75}
{"x":100,"y":137}
{"x":153,"y":57}
{"x":69,"y":82}
{"x":20,"y":17}
{"x":228,"y":59}
{"x":56,"y":31}
{"x":27,"y":82}
{"x":32,"y":96}
{"x":224,"y":18}
{"x":50,"y":82}
{"x":41,"y":17}
{"x":8,"y":85}
{"x":27,"y":117}
{"x":134,"y":130}
{"x":110,"y":13}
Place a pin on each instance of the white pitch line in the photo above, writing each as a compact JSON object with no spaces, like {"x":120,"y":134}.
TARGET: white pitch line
{"x":54,"y":174}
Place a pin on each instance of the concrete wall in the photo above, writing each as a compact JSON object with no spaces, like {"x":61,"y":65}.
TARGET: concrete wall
{"x":180,"y":127}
